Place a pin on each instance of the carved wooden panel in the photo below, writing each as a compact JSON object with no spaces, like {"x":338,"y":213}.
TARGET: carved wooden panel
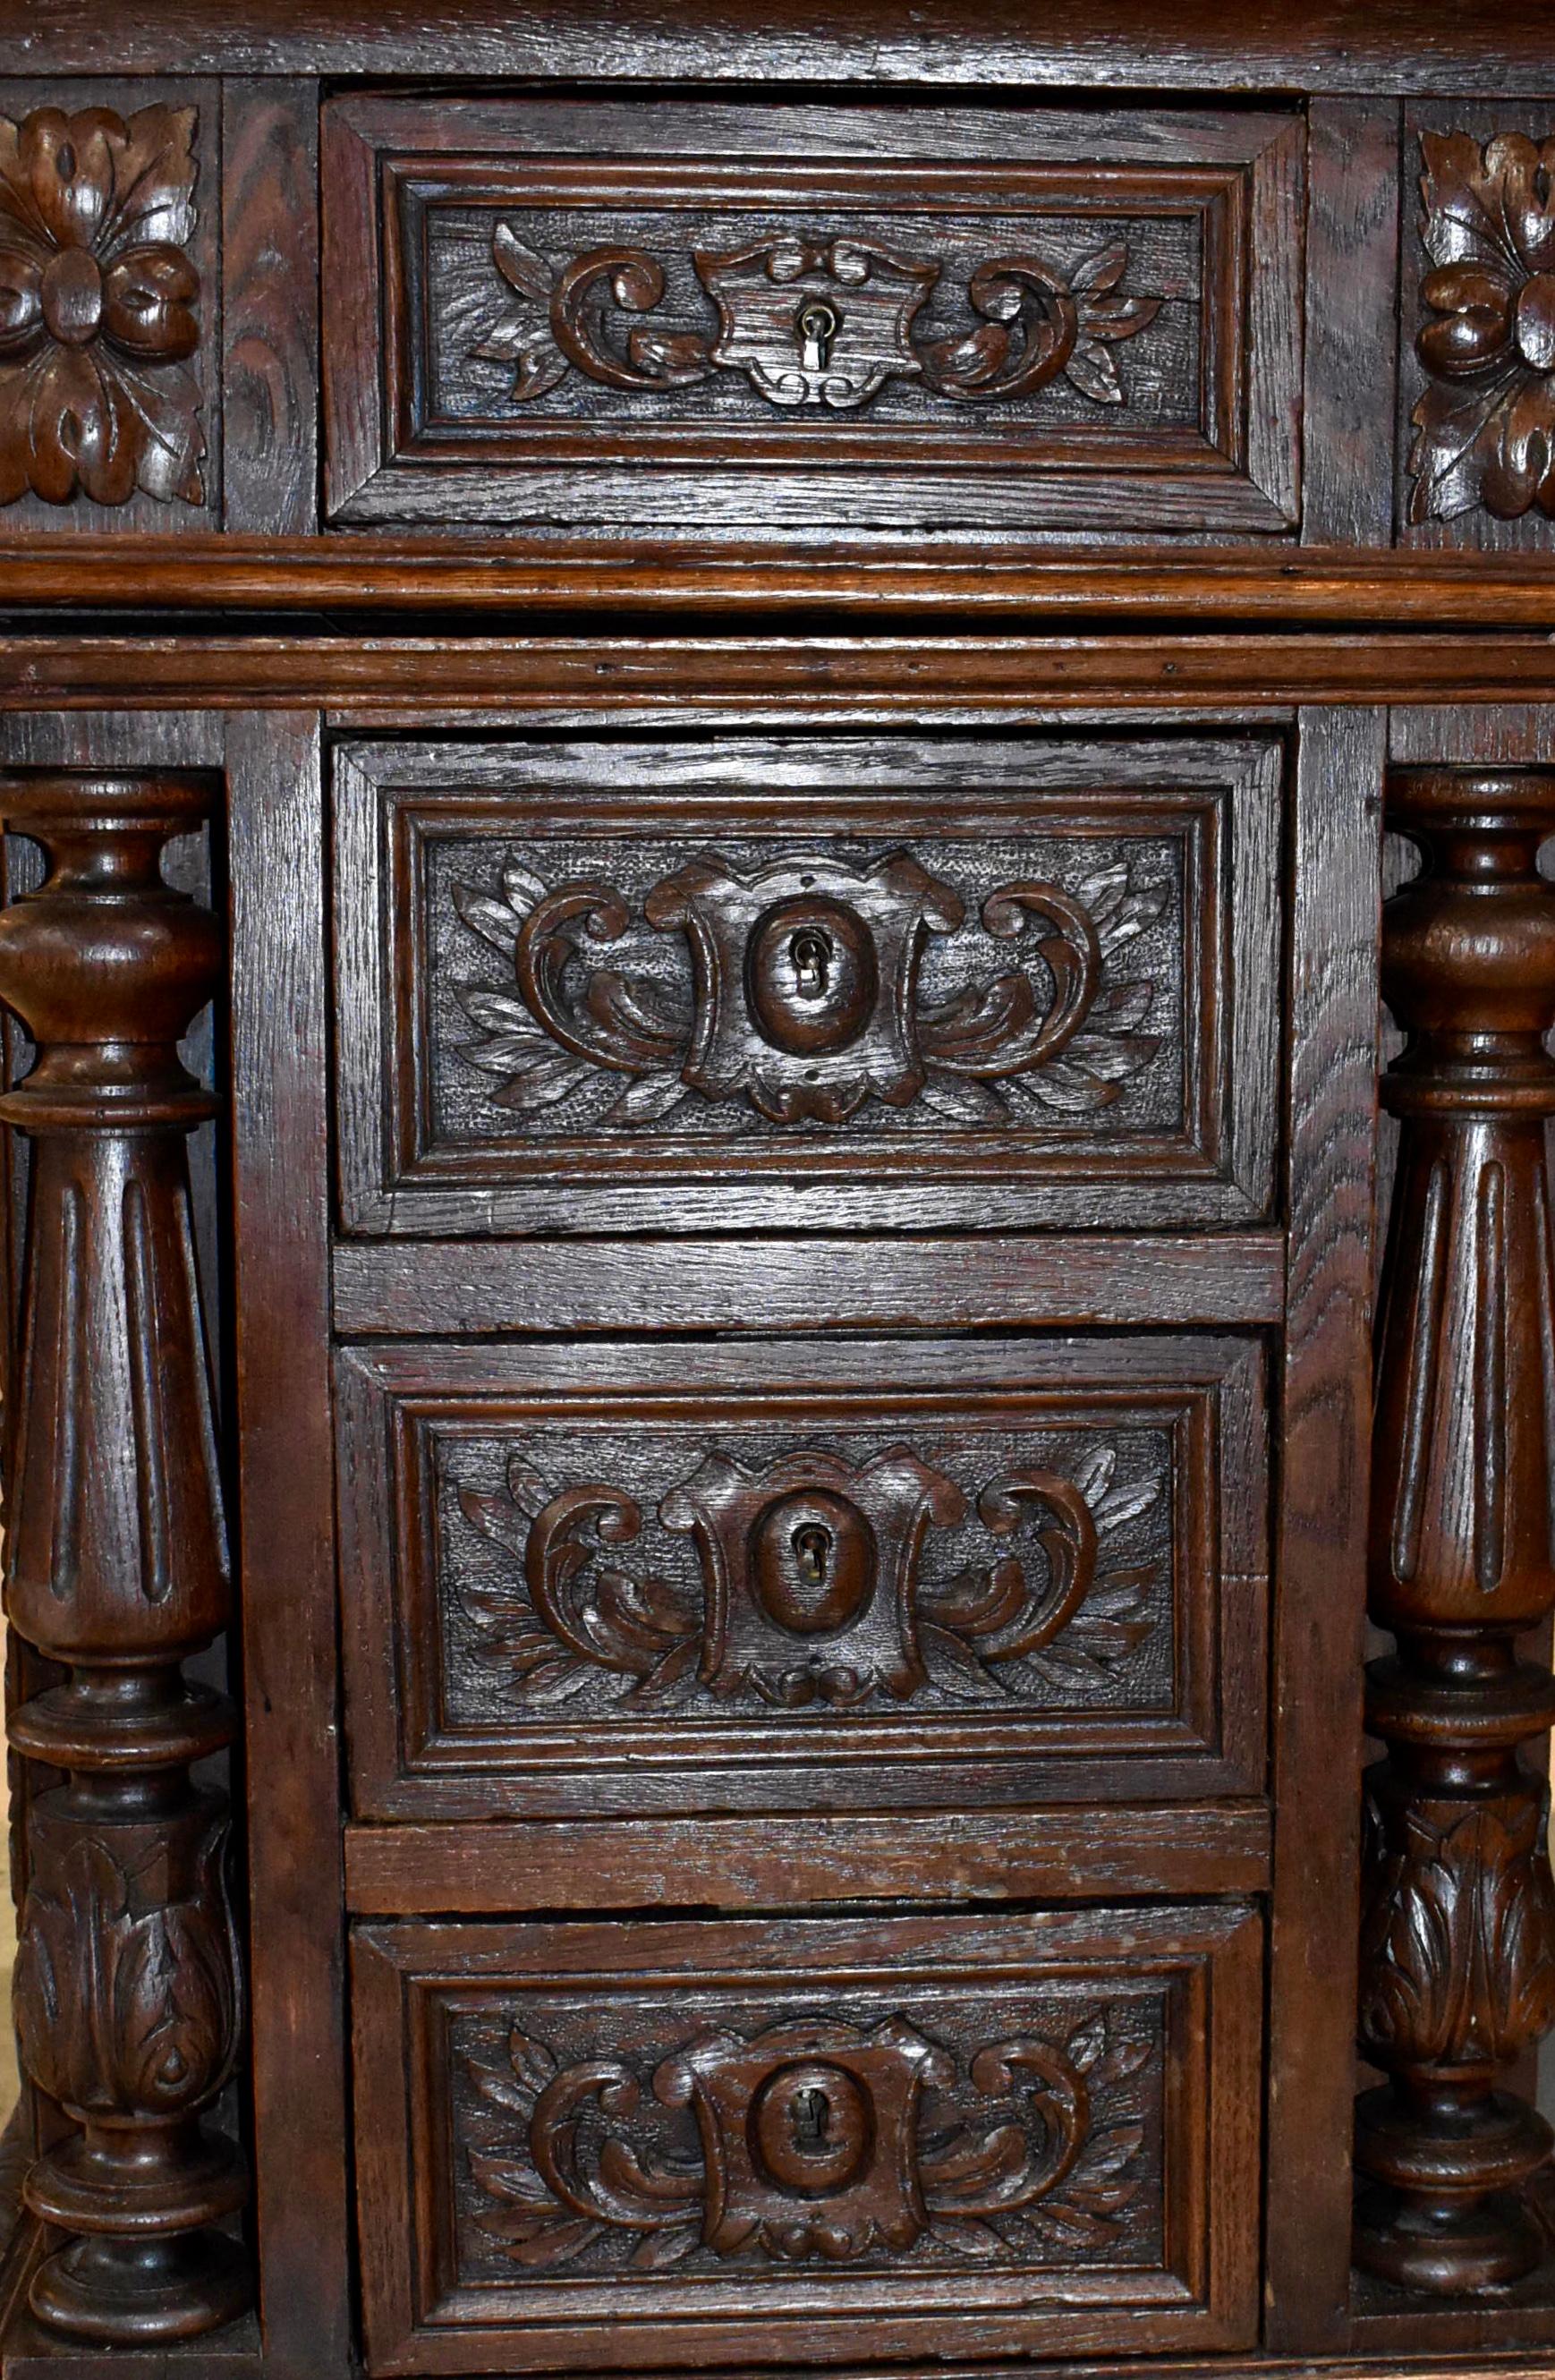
{"x":692,"y":316}
{"x":1477,"y":383}
{"x":800,"y":2141}
{"x":632,"y":1578}
{"x":600,"y":984}
{"x":109,"y":200}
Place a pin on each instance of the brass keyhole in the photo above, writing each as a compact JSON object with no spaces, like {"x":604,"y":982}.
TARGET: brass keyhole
{"x":811,"y":1547}
{"x":811,"y":956}
{"x":812,"y":2121}
{"x":818,"y":327}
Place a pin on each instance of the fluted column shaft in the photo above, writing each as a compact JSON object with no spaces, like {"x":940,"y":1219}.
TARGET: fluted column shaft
{"x":1458,"y":1927}
{"x":127,"y":1984}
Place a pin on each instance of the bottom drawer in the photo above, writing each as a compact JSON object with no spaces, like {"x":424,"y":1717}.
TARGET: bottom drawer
{"x":798,"y":2141}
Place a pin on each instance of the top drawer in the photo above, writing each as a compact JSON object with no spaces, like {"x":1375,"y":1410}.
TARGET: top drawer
{"x":637,"y":316}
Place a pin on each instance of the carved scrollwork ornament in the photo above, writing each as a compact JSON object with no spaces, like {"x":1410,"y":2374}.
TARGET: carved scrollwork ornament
{"x":812,"y":2145}
{"x":799,"y":992}
{"x":812,"y":1584}
{"x":814,"y":321}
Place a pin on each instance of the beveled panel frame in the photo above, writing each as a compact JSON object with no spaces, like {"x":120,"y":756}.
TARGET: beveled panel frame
{"x":1237,"y":178}
{"x":1191,"y":1974}
{"x":1210,"y":805}
{"x":414,"y":1754}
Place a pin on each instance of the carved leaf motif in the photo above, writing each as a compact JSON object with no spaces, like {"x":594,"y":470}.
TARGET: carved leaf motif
{"x":561,"y":2180}
{"x":1064,"y":1038}
{"x":562,"y":1611}
{"x":123,"y":2008}
{"x":98,"y":307}
{"x":823,"y":322}
{"x":1486,"y":425}
{"x":1458,"y":1934}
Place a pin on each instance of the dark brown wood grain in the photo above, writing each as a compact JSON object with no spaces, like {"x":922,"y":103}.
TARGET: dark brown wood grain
{"x":1144,"y":2211}
{"x":270,"y":306}
{"x":1352,"y":270}
{"x":1358,"y":45}
{"x":1019,"y":1556}
{"x":568,"y":995}
{"x":1459,"y":1898}
{"x":1060,"y":1281}
{"x":731,"y":1863}
{"x":1333,"y":1009}
{"x":796,"y":623}
{"x":353,"y":572}
{"x":1017,"y":321}
{"x":287,"y":1542}
{"x":393,"y":682}
{"x":128,"y":1997}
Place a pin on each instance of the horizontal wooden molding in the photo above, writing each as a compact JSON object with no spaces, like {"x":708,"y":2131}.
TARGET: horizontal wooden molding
{"x":1342,"y":45}
{"x":1320,"y":585}
{"x":728,"y":1863}
{"x":1058,"y":1280}
{"x":371,"y":681}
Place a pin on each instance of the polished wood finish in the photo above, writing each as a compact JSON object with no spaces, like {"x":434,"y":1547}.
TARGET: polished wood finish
{"x":983,"y":2119}
{"x":1458,"y":1952}
{"x":624,"y":1581}
{"x":128,"y":1993}
{"x":785,"y":637}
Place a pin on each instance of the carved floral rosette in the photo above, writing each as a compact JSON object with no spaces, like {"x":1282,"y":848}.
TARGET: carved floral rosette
{"x":1486,"y":425}
{"x":99,"y":305}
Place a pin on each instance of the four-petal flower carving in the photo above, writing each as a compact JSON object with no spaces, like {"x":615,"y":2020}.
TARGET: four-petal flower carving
{"x":98,"y":306}
{"x":1487,"y":423}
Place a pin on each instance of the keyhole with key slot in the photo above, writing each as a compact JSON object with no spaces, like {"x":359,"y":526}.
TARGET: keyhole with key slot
{"x":811,"y":956}
{"x":812,"y":2117}
{"x":818,"y":328}
{"x":812,"y":1544}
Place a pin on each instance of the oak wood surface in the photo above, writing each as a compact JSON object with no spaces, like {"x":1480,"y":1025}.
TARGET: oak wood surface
{"x":1059,"y":1280}
{"x":242,"y":570}
{"x":1487,"y":46}
{"x":285,"y":1553}
{"x":545,"y":1865}
{"x":395,"y":682}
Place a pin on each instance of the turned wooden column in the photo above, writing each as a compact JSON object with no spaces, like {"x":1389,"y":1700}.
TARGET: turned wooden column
{"x":129,"y":2002}
{"x":1458,"y":1926}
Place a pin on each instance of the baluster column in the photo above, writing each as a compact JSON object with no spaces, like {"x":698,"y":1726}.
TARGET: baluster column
{"x":127,"y":1984}
{"x":1458,"y":1925}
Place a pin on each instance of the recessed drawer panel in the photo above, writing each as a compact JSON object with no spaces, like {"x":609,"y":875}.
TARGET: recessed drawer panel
{"x":824,"y":980}
{"x":640,"y":317}
{"x":623,"y":2148}
{"x":787,"y":1576}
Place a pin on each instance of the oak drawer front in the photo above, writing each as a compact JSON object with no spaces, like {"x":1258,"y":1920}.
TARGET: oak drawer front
{"x":623,"y":1579}
{"x":823,"y":980}
{"x":621,"y":2146}
{"x":646,"y":316}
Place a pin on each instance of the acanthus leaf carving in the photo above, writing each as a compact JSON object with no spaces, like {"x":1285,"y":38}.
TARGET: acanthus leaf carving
{"x":804,"y":996}
{"x":811,"y":2143}
{"x":812,"y":1584}
{"x":814,"y":321}
{"x":1486,"y":425}
{"x":127,"y":2003}
{"x":99,"y":301}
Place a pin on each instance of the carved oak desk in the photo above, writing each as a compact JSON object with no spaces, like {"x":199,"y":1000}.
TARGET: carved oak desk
{"x":772,"y":785}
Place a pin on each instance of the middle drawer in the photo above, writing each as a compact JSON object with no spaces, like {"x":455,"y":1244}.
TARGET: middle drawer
{"x":627,"y":1579}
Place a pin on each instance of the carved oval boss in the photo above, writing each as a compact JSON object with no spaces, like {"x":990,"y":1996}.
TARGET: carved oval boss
{"x":805,"y":996}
